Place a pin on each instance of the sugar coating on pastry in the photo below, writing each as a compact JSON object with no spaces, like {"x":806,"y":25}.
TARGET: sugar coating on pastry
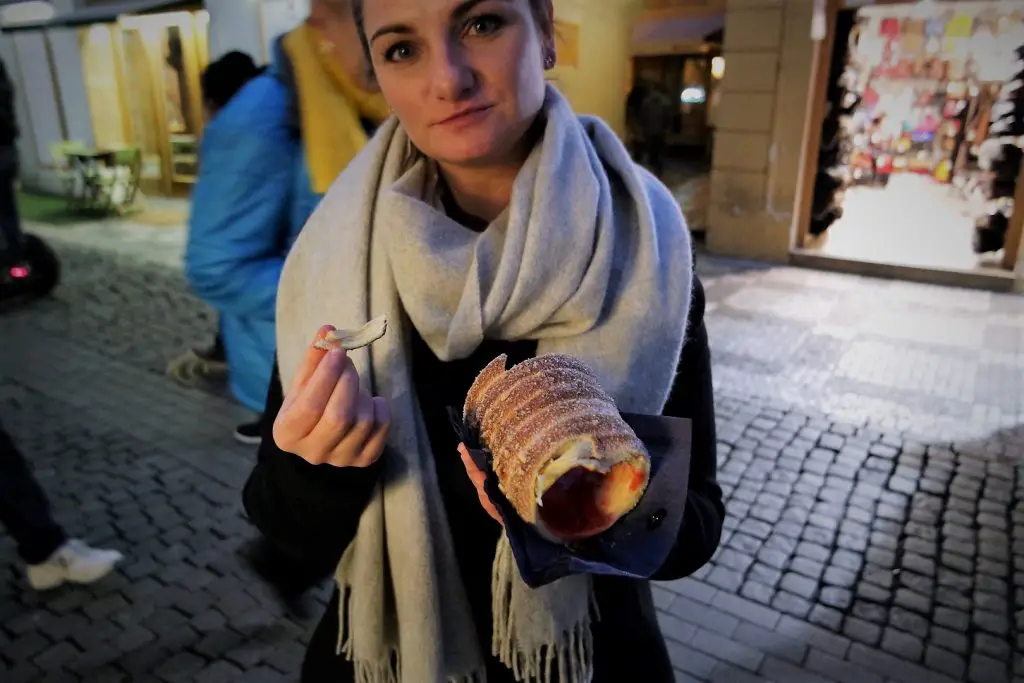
{"x":563,"y":455}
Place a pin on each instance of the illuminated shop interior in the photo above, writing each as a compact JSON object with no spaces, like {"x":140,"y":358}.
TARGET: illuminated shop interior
{"x":921,"y":141}
{"x":149,"y":67}
{"x":136,"y":73}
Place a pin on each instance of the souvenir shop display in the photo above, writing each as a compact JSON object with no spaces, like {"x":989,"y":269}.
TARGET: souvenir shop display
{"x":936,"y":91}
{"x":913,"y":97}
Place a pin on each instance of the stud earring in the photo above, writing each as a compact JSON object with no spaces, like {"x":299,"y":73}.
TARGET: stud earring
{"x":549,"y":62}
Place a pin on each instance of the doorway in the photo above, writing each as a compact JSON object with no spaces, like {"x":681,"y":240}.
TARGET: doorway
{"x":150,"y":66}
{"x":919,"y":157}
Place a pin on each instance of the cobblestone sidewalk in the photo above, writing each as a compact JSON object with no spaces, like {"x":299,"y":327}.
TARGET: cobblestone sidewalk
{"x":870,"y":445}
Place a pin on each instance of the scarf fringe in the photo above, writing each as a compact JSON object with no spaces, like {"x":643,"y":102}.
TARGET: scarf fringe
{"x":389,"y":668}
{"x":384,"y":671}
{"x":570,"y":654}
{"x":571,"y":658}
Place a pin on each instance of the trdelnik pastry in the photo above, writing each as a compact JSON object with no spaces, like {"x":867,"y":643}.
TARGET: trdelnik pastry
{"x":563,"y":455}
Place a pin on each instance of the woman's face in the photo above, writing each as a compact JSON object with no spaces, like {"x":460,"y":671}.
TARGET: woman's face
{"x":465,"y":77}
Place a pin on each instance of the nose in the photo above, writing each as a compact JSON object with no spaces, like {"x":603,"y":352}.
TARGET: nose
{"x":453,"y":77}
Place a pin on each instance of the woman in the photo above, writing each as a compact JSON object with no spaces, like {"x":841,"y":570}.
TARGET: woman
{"x":483,"y":218}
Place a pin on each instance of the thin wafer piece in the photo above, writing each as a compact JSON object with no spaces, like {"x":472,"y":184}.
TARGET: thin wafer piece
{"x":562,"y":453}
{"x":350,"y":340}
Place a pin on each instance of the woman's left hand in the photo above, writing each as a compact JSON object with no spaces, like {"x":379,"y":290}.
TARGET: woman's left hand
{"x":478,"y":478}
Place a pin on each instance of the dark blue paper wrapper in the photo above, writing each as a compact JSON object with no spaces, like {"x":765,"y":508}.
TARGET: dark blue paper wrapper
{"x":638,"y":544}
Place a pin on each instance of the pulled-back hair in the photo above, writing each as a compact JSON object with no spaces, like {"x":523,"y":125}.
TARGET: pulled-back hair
{"x":537,"y":7}
{"x":223,"y":78}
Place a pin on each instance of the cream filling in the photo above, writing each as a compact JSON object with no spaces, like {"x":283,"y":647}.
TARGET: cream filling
{"x":574,"y":454}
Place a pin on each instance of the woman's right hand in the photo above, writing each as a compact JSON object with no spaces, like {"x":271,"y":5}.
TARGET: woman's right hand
{"x":327,"y":417}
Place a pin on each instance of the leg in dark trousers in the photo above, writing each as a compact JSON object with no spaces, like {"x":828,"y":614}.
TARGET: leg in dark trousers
{"x":10,"y":223}
{"x":218,"y":353}
{"x":290,"y":579}
{"x":24,"y":508}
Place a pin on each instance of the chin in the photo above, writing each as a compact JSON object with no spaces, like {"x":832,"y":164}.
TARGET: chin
{"x":478,"y":145}
{"x":469,"y":154}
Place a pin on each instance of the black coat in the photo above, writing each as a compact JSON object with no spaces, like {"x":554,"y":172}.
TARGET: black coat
{"x":310,"y":513}
{"x":8,"y":124}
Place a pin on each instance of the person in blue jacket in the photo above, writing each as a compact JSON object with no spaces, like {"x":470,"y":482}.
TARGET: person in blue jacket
{"x":265,"y":161}
{"x":219,"y":83}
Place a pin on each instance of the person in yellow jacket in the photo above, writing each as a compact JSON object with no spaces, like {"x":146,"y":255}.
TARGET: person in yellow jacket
{"x":266,"y":159}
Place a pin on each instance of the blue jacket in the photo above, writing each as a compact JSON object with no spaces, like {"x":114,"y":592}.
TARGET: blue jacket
{"x":251,"y":199}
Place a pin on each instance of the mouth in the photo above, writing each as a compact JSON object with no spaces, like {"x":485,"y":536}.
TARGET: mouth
{"x":466,"y":115}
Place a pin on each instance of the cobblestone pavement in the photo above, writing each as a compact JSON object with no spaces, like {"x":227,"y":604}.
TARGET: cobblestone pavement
{"x":870,"y":445}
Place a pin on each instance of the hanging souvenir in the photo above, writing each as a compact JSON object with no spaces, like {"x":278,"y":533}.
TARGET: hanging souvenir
{"x":870,"y":98}
{"x":937,"y":69}
{"x":956,"y":89}
{"x":960,"y":26}
{"x":929,"y":121}
{"x":912,"y":44}
{"x":904,"y":68}
{"x":987,"y":20}
{"x":948,"y":46}
{"x":955,"y":70}
{"x":870,"y":48}
{"x":935,"y":28}
{"x":913,"y":27}
{"x":889,"y":28}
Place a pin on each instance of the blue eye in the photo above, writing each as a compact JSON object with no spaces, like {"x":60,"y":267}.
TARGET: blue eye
{"x":486,"y":25}
{"x":399,"y":52}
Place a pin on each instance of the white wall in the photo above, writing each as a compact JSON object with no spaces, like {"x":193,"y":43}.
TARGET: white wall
{"x":235,"y":25}
{"x":33,"y":62}
{"x":251,"y":25}
{"x":67,"y":65}
{"x":277,"y":17}
{"x":36,"y":101}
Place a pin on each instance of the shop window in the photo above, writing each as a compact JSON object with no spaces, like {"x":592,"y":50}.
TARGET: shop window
{"x":921,"y":140}
{"x":142,"y":86}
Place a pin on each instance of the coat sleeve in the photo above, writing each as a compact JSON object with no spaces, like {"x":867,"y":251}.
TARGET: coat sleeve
{"x":692,"y":397}
{"x":239,"y":217}
{"x":309,"y":513}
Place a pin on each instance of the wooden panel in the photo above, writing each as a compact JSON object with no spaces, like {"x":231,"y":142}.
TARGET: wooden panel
{"x":1014,"y":232}
{"x":815,"y":115}
{"x":567,"y":43}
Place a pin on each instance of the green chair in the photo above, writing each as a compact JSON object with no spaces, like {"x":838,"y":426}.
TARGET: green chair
{"x":119,"y":182}
{"x":69,"y":173}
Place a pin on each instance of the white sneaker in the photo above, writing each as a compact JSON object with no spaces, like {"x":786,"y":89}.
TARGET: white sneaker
{"x":75,"y":562}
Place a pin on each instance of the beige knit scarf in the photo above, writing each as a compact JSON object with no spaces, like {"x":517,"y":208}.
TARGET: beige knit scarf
{"x":591,"y":258}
